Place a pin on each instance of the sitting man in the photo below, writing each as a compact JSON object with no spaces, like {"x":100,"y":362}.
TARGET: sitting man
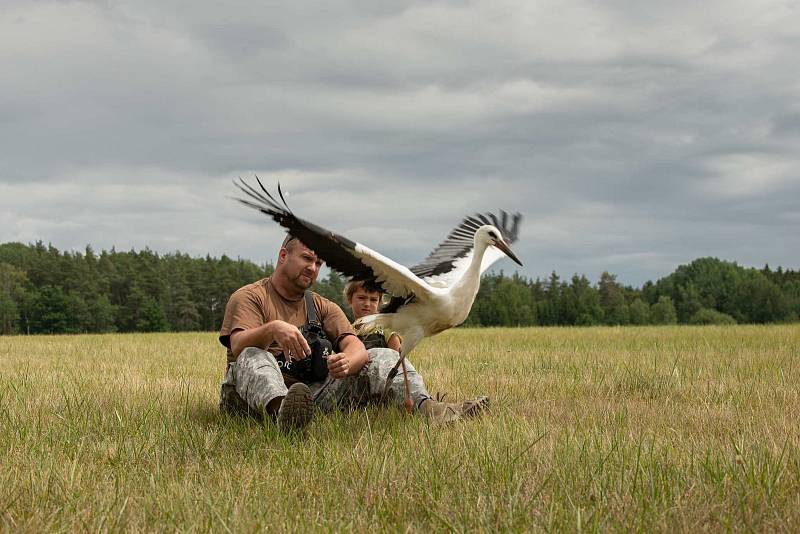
{"x":261,"y":330}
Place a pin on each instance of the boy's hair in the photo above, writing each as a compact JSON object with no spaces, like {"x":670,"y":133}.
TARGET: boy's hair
{"x":351,"y":287}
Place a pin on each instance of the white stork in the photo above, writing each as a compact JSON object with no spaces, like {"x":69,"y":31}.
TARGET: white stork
{"x":428,"y":298}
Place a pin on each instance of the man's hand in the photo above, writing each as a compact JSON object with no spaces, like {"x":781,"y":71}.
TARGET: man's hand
{"x":290,"y":340}
{"x":287,"y":336}
{"x":340,"y":365}
{"x":350,"y":361}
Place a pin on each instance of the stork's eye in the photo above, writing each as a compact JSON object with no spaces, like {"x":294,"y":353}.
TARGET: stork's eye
{"x":493,"y":235}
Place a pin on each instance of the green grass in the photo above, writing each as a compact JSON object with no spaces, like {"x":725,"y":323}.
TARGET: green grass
{"x":591,"y":429}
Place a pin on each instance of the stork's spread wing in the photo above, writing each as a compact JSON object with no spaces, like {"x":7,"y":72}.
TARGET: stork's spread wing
{"x":352,"y":259}
{"x":450,"y":259}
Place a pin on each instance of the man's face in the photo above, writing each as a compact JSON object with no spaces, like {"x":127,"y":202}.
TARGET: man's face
{"x":300,"y":264}
{"x":364,"y":302}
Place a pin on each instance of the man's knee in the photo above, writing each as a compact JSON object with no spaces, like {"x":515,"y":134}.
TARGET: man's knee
{"x":383,"y":354}
{"x":255,"y":358}
{"x":251,"y":352}
{"x":255,"y":362}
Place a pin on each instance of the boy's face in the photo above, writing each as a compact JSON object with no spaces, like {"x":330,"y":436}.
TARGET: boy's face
{"x":364,"y":302}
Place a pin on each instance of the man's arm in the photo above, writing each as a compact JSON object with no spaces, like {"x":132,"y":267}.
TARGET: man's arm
{"x":350,"y":360}
{"x":288,"y":337}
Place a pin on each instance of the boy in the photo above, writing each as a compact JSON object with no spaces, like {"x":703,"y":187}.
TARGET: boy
{"x":365,"y":302}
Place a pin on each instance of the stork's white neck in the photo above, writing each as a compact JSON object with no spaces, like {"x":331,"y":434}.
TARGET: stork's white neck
{"x":463,"y":293}
{"x":471,"y":279}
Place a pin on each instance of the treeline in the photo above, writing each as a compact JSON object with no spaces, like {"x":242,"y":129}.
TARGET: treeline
{"x":706,"y":291}
{"x":43,"y":290}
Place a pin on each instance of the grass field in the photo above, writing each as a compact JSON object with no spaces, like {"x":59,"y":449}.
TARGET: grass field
{"x":673,"y":428}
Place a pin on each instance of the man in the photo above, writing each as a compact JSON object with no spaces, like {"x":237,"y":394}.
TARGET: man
{"x":261,"y":327}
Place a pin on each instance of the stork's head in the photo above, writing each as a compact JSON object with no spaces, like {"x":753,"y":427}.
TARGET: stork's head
{"x":492,"y":237}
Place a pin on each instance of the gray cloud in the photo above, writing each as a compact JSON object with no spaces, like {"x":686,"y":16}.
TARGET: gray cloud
{"x":633,"y":136}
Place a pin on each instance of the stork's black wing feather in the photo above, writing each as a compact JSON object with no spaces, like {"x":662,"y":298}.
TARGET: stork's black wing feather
{"x":335,"y":250}
{"x":395,"y":303}
{"x":461,"y":241}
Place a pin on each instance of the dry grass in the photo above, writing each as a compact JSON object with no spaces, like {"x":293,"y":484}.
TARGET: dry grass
{"x":592,"y":429}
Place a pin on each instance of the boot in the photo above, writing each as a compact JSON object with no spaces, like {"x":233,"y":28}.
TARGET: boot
{"x":297,"y":408}
{"x":449,"y":412}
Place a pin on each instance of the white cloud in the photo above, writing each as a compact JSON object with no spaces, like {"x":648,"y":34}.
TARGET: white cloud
{"x":749,"y":174}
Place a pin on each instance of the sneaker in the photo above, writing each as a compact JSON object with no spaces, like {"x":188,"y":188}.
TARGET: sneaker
{"x":297,"y":408}
{"x":449,"y":412}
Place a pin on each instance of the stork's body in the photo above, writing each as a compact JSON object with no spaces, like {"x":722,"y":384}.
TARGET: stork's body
{"x":439,"y":309}
{"x":428,"y":298}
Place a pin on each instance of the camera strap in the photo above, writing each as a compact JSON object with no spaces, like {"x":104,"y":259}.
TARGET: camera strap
{"x":311,"y":310}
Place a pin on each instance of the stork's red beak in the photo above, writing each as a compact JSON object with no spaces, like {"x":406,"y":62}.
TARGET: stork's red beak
{"x":507,"y":251}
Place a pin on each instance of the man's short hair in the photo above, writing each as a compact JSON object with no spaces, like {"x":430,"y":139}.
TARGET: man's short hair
{"x":288,"y":242}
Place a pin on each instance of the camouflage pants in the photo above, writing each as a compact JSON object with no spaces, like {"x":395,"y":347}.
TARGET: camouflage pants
{"x":254,"y":379}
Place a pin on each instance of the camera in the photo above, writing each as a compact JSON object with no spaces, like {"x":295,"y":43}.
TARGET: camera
{"x":312,"y":368}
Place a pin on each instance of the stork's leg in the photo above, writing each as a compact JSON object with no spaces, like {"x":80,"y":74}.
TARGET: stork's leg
{"x":409,"y":405}
{"x":392,"y":374}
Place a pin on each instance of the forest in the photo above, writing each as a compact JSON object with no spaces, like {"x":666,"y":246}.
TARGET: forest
{"x":44,"y":290}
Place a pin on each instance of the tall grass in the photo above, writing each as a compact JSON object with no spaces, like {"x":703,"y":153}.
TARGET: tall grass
{"x":672,"y":428}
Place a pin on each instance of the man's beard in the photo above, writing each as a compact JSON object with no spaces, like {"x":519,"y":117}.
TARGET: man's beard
{"x":298,"y":281}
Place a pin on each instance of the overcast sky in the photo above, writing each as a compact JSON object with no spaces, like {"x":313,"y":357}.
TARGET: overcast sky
{"x":632,"y":136}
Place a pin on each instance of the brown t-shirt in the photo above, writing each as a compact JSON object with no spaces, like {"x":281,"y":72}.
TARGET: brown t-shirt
{"x":258,"y":303}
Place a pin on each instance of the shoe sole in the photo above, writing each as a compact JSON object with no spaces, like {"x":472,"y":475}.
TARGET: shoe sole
{"x":476,"y":406}
{"x":297,"y":408}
